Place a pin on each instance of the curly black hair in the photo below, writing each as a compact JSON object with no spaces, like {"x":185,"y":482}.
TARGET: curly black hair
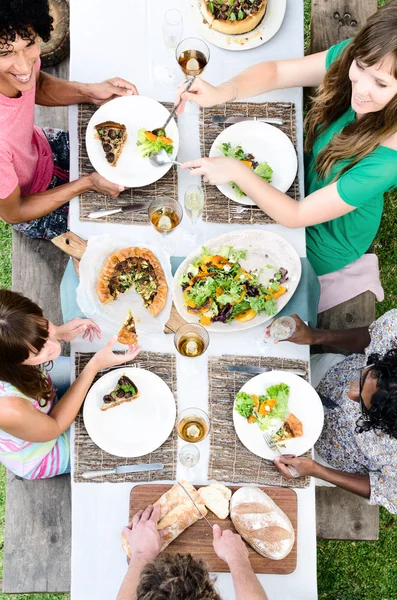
{"x":383,"y":412}
{"x":26,"y":18}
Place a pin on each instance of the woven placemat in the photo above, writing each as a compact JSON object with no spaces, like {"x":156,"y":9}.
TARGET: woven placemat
{"x":91,"y":201}
{"x":89,"y":457}
{"x":229,"y":459}
{"x":218,"y":208}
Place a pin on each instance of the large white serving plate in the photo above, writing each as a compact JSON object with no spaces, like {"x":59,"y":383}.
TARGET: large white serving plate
{"x":304,"y":403}
{"x":263,"y":247}
{"x":134,"y":428}
{"x":134,"y":112}
{"x":266,"y":29}
{"x":267,"y":144}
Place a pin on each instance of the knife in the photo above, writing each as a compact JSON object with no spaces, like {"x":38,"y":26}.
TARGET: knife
{"x":204,"y":517}
{"x":249,"y":369}
{"x":273,"y":121}
{"x":124,"y":469}
{"x":122,"y":209}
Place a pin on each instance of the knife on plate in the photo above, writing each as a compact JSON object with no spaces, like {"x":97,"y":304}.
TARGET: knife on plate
{"x":204,"y":517}
{"x":256,"y":370}
{"x":124,"y":469}
{"x":122,"y":209}
{"x":271,"y":120}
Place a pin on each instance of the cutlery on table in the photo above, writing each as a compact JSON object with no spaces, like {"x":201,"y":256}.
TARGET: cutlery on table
{"x":159,"y":159}
{"x":124,"y":469}
{"x":274,"y":448}
{"x":237,"y":210}
{"x":256,"y":370}
{"x":186,"y":492}
{"x":161,"y":130}
{"x":121,"y":209}
{"x":271,"y":120}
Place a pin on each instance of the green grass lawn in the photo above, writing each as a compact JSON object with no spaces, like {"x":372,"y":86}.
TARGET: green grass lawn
{"x":346,"y":570}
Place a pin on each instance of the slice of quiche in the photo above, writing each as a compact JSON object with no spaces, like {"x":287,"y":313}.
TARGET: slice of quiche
{"x":112,"y":136}
{"x":125,"y":391}
{"x":291,"y":428}
{"x":127,"y":334}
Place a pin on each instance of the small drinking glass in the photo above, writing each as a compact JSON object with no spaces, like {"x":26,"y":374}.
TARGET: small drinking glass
{"x":193,"y":425}
{"x":172,"y":29}
{"x":191,"y":340}
{"x":189,"y":455}
{"x":194,"y":206}
{"x":165,"y":214}
{"x":192,"y":55}
{"x":281,"y":329}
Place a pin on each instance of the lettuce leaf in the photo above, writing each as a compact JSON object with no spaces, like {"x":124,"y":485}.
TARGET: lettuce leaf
{"x":244,"y":404}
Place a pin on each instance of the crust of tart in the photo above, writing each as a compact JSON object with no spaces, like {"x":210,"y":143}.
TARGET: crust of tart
{"x":233,"y":27}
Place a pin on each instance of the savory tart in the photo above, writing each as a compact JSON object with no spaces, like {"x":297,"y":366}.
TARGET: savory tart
{"x":291,"y":428}
{"x":112,"y":136}
{"x":233,"y":17}
{"x":138,"y":268}
{"x":127,"y":334}
{"x":125,"y":391}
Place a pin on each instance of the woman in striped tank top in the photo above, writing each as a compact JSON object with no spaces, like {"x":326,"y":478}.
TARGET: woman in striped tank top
{"x":34,"y":425}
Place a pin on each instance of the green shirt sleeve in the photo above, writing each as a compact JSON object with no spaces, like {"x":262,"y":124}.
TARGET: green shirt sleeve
{"x":370,"y":178}
{"x":334,"y":52}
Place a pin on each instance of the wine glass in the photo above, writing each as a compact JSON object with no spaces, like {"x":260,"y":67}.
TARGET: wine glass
{"x":191,"y":340}
{"x":165,"y":214}
{"x":193,"y":56}
{"x":193,"y":425}
{"x":189,"y":455}
{"x":194,"y":206}
{"x":172,"y":34}
{"x":281,"y":329}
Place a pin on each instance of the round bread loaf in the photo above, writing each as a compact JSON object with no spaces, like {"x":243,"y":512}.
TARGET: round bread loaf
{"x":262,"y":523}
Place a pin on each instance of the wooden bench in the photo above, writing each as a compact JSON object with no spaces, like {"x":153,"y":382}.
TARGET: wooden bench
{"x":339,"y":514}
{"x":37,"y":539}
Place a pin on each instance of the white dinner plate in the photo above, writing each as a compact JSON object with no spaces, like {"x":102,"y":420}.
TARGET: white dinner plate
{"x":263,"y":247}
{"x":134,"y":428}
{"x":267,"y":144}
{"x":266,"y":29}
{"x":135,"y":112}
{"x":304,"y":403}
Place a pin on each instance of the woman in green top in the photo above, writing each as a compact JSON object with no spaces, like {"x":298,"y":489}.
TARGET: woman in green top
{"x":351,"y":140}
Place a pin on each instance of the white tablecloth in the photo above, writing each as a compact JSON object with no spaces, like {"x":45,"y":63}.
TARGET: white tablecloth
{"x":99,"y":511}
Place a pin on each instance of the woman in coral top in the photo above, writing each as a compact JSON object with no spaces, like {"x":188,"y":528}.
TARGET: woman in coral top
{"x":34,"y":164}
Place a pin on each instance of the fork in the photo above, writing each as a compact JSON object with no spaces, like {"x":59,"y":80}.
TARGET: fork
{"x":274,"y":448}
{"x":137,"y":365}
{"x":242,"y":207}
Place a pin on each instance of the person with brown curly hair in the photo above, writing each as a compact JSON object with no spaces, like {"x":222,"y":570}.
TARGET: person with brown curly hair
{"x":34,"y":163}
{"x":155,"y":576}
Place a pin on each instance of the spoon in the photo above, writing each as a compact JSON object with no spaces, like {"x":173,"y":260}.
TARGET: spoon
{"x":159,"y":159}
{"x":161,"y":130}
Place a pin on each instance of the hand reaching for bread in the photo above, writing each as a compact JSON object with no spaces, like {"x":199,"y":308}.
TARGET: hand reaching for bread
{"x":229,"y":546}
{"x":143,"y":538}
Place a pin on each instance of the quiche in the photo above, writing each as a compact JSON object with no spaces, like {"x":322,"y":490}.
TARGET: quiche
{"x":125,"y":391}
{"x":127,"y":334}
{"x":233,"y":17}
{"x":112,"y":136}
{"x":137,"y":268}
{"x":291,"y":428}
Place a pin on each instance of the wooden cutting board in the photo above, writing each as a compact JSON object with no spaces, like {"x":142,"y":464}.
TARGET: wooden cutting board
{"x":197,"y":539}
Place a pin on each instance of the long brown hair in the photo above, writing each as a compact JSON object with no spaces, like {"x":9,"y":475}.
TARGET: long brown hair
{"x":376,"y":40}
{"x":176,"y":577}
{"x":23,"y":329}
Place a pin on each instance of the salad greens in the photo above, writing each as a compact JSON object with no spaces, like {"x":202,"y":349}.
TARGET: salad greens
{"x":218,"y":288}
{"x":262,"y":169}
{"x":266,"y":408}
{"x":148,"y":143}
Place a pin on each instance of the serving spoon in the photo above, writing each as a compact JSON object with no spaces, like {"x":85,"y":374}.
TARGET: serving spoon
{"x":159,"y":159}
{"x":161,"y":130}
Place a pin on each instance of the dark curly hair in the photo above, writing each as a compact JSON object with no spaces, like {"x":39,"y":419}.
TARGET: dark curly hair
{"x":26,"y":18}
{"x":176,"y":577}
{"x":383,"y":412}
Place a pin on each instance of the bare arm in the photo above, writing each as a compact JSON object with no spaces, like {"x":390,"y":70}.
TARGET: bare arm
{"x":246,"y":584}
{"x":131,"y":580}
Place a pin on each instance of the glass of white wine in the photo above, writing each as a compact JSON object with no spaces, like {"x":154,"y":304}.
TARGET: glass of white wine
{"x":191,"y":340}
{"x":193,"y":56}
{"x":281,"y":329}
{"x":165,"y":214}
{"x":194,"y":206}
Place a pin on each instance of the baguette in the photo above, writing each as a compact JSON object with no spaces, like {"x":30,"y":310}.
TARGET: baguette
{"x":262,"y":524}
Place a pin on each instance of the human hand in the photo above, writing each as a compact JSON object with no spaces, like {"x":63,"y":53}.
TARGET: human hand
{"x":103,"y":186}
{"x":202,"y":93}
{"x":304,"y":466}
{"x":215,"y":171}
{"x":71,"y":330}
{"x":144,"y":539}
{"x":303,"y":334}
{"x":228,"y":545}
{"x":107,"y":358}
{"x":99,"y":93}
